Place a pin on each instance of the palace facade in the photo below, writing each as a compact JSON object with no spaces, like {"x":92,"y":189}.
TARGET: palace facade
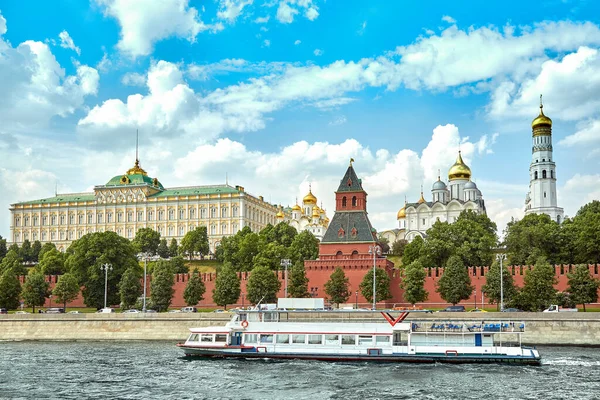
{"x":134,"y":200}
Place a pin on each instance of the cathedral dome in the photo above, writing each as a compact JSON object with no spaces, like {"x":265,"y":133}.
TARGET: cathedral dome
{"x":422,"y":199}
{"x":470,"y":185}
{"x":296,"y":208}
{"x":401,"y":213}
{"x":315,"y":212}
{"x":541,"y":120}
{"x":439,"y":185}
{"x":309,"y":198}
{"x":459,"y":170}
{"x":280,"y":214}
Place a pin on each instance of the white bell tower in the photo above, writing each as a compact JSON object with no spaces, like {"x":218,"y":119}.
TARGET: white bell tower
{"x":541,"y":198}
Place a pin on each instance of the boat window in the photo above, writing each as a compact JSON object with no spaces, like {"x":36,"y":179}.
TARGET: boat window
{"x":220,"y":338}
{"x":365,"y":340}
{"x":315,"y":339}
{"x":332,"y":339}
{"x":250,"y":338}
{"x":298,"y":338}
{"x":382,"y":339}
{"x":266,"y":338}
{"x":348,"y":339}
{"x":281,"y":338}
{"x":242,"y":317}
{"x":270,"y":317}
{"x":193,"y":337}
{"x":206,"y":337}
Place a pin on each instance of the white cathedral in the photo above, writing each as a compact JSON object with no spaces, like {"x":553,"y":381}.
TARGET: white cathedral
{"x":541,"y":198}
{"x":308,"y":217}
{"x":448,"y":201}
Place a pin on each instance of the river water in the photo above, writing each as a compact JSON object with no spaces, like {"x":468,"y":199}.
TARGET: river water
{"x":155,"y":370}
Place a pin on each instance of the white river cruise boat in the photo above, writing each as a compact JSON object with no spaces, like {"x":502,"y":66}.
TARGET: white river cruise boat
{"x":280,"y":334}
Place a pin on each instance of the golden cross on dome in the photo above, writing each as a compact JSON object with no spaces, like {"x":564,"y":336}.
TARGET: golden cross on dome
{"x":351,"y":161}
{"x":541,"y":104}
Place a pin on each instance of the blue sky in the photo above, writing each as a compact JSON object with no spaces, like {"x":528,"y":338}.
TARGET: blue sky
{"x":280,"y":93}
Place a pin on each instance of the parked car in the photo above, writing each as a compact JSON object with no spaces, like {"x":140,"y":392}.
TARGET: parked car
{"x":74,"y":312}
{"x":477,"y":310}
{"x":132,"y":311}
{"x":3,"y":311}
{"x":55,"y":310}
{"x":151,"y":311}
{"x":512,"y":310}
{"x":21,"y":312}
{"x":189,"y":309}
{"x":454,"y":309}
{"x":106,"y":310}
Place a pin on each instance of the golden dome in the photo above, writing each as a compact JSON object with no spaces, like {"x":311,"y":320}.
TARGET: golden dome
{"x":309,"y":198}
{"x":280,"y":214}
{"x":541,"y":120}
{"x":422,"y":199}
{"x":296,"y":208}
{"x":459,"y":170}
{"x":401,"y":213}
{"x":315,"y":212}
{"x":137,"y":170}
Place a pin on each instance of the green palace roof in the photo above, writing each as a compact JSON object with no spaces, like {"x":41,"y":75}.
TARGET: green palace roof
{"x":71,"y":198}
{"x":135,"y":179}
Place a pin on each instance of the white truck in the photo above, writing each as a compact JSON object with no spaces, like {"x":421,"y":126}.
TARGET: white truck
{"x":555,"y":308}
{"x":292,"y":303}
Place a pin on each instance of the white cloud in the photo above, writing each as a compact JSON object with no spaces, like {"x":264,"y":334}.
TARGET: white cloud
{"x":297,"y":42}
{"x":66,"y":41}
{"x":143,"y":23}
{"x":362,"y":29}
{"x":104,"y":64}
{"x":318,"y":52}
{"x":311,"y":13}
{"x":341,"y":120}
{"x":3,"y":28}
{"x":133,"y":79}
{"x":267,"y":43}
{"x":588,"y":133}
{"x":234,"y":65}
{"x":448,"y":19}
{"x":262,"y":20}
{"x":285,"y":13}
{"x":333,"y":103}
{"x":231,"y":9}
{"x":579,"y":190}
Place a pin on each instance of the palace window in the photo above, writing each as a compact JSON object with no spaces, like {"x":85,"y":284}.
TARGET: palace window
{"x":53,"y":235}
{"x":35,"y":220}
{"x":171,"y":230}
{"x":53,"y":220}
{"x":80,"y":219}
{"x":150,"y":215}
{"x":119,"y":217}
{"x":130,"y":233}
{"x":90,"y":219}
{"x":26,"y":220}
{"x":223,"y":228}
{"x":130,"y":216}
{"x":234,"y":211}
{"x":99,"y":218}
{"x":44,"y":236}
{"x":223,"y":212}
{"x":181,"y":230}
{"x":71,"y":219}
{"x":140,"y":216}
{"x":17,"y":237}
{"x":213,"y":230}
{"x":161,"y":215}
{"x":62,"y":219}
{"x":213,"y":212}
{"x":181,"y":214}
{"x":34,"y":235}
{"x":17,"y":221}
{"x":120,"y":232}
{"x":234,"y":228}
{"x":171,"y":215}
{"x":192,"y":213}
{"x":160,"y":230}
{"x":71,"y":235}
{"x":203,"y":213}
{"x":109,"y":217}
{"x":26,"y":236}
{"x":79,"y":234}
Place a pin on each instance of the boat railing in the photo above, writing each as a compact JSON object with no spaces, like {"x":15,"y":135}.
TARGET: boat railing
{"x":466,"y":327}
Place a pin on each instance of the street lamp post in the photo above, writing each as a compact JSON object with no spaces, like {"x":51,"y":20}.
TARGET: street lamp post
{"x":501,"y":257}
{"x":286,"y":262}
{"x":105,"y":267}
{"x":356,"y":294}
{"x":376,"y":251}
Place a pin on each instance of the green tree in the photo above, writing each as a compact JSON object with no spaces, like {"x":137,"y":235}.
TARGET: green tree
{"x":35,"y":290}
{"x":66,"y":289}
{"x":173,"y":248}
{"x":270,"y":255}
{"x":583,"y":287}
{"x":492,"y":284}
{"x":538,"y":290}
{"x":86,"y":255}
{"x":161,"y":287}
{"x":36,"y":247}
{"x":130,"y":287}
{"x":284,"y":234}
{"x":178,"y":265}
{"x":384,"y":243}
{"x":337,"y":287}
{"x":194,"y":290}
{"x":163,"y":249}
{"x":382,"y":286}
{"x":534,"y":236}
{"x":3,"y":249}
{"x":248,"y":248}
{"x":305,"y":246}
{"x":413,"y":250}
{"x":195,"y":243}
{"x":413,"y":283}
{"x":298,"y":282}
{"x":262,"y":285}
{"x":398,"y":247}
{"x":227,"y":286}
{"x":146,"y":241}
{"x":10,"y":290}
{"x":14,"y":262}
{"x":455,"y":283}
{"x":46,"y":248}
{"x":25,"y":251}
{"x":52,"y":263}
{"x":586,"y":233}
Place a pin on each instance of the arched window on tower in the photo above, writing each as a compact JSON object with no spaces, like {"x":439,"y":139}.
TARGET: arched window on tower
{"x":535,"y":175}
{"x":551,"y":174}
{"x":353,"y":201}
{"x":544,"y":174}
{"x":344,"y":201}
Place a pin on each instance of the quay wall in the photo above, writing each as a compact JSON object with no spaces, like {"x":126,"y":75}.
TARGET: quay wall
{"x":581,"y":329}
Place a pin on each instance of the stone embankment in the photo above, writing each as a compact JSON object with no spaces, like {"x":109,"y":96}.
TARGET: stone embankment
{"x":541,"y":328}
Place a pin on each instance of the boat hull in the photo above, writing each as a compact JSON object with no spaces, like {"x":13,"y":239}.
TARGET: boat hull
{"x":195,"y":352}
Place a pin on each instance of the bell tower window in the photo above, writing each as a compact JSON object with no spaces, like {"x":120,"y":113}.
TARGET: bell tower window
{"x":353,"y":201}
{"x":544,"y":174}
{"x":344,"y":201}
{"x":535,"y":175}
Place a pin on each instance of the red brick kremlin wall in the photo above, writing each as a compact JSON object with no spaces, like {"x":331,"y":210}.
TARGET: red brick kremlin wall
{"x":318,"y":274}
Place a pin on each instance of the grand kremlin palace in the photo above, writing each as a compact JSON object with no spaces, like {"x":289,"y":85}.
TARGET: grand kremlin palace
{"x":132,"y":201}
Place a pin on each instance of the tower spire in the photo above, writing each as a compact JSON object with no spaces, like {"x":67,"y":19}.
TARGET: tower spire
{"x":137,"y":138}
